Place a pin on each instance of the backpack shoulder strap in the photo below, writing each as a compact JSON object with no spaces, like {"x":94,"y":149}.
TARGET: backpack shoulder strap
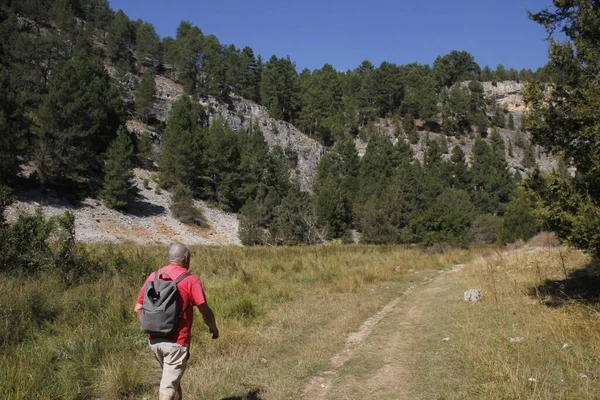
{"x":182,"y":277}
{"x":156,"y":277}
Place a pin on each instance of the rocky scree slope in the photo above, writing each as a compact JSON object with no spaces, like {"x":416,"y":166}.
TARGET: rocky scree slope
{"x":148,"y":222}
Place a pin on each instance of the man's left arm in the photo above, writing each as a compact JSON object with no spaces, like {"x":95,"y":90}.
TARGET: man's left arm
{"x":138,"y":307}
{"x":138,"y":311}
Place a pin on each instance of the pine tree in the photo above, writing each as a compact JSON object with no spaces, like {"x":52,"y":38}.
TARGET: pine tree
{"x":251,"y":231}
{"x":492,"y":181}
{"x":520,"y":219}
{"x":144,"y":95}
{"x":222,"y":177}
{"x":456,"y":110}
{"x":459,"y":172}
{"x":410,"y":129}
{"x":386,"y":217}
{"x":321,"y":101}
{"x":482,"y":124}
{"x":420,"y":96}
{"x":143,"y":151}
{"x":63,"y":16}
{"x":500,"y":73}
{"x":13,"y":127}
{"x":498,"y":119}
{"x":454,"y":67}
{"x":98,"y":13}
{"x":296,"y":220}
{"x":186,"y":54}
{"x":279,"y":88}
{"x":376,"y":167}
{"x":511,"y":122}
{"x":497,"y":143}
{"x":77,"y":119}
{"x":333,"y":192}
{"x":181,"y":150}
{"x":119,"y":189}
{"x":529,"y":160}
{"x":254,"y":159}
{"x":251,"y":69}
{"x":119,"y":39}
{"x":449,"y":218}
{"x":147,"y":45}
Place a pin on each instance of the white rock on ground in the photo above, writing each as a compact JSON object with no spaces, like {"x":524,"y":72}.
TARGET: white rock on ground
{"x":473,"y":295}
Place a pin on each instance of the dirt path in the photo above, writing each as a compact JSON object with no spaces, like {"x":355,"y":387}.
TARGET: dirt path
{"x":374,"y":361}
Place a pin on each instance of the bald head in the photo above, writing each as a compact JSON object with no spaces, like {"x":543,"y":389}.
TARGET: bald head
{"x":179,"y":254}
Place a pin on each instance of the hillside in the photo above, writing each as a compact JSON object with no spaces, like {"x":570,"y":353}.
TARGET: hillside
{"x":149,"y":221}
{"x":111,"y":109}
{"x":239,"y":114}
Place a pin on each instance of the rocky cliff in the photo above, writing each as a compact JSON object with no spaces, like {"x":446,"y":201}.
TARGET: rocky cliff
{"x":238,"y":114}
{"x":508,"y":94}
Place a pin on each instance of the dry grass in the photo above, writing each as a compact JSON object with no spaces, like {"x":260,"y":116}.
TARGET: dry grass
{"x":283,"y":312}
{"x":548,"y":297}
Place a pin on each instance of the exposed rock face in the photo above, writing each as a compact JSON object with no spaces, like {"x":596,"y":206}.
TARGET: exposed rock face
{"x":241,"y":114}
{"x":508,"y":94}
{"x":167,"y":93}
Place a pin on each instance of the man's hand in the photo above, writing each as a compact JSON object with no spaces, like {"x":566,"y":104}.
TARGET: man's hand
{"x":214,"y":332}
{"x":209,"y":319}
{"x":138,"y":312}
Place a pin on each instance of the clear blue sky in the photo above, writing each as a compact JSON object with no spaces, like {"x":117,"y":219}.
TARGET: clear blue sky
{"x":346,"y":32}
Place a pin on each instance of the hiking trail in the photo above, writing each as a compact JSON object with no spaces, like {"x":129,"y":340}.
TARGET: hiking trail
{"x":391,"y":348}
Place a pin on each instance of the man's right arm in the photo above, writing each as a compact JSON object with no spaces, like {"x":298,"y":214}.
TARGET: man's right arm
{"x":209,"y":319}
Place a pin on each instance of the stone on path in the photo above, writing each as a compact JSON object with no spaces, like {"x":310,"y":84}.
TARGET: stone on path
{"x":473,"y":295}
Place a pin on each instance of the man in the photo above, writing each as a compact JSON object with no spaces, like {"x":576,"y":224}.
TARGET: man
{"x":172,"y":351}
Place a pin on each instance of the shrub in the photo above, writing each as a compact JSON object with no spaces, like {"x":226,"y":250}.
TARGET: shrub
{"x":34,"y":242}
{"x":486,"y":229}
{"x":520,"y":218}
{"x":250,"y":231}
{"x":183,"y":209}
{"x":448,"y":220}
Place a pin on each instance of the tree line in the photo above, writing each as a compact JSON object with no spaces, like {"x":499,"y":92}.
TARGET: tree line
{"x":50,"y":48}
{"x":63,"y":112}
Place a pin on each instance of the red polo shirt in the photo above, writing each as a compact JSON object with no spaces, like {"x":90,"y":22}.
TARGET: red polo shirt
{"x":190,"y":293}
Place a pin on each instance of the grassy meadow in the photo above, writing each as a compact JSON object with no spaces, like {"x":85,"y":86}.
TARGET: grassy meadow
{"x":282,"y":313}
{"x":545,"y":299}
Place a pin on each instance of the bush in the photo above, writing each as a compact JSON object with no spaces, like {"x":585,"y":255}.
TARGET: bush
{"x":250,"y":231}
{"x":448,"y":220}
{"x":183,"y":209}
{"x":6,"y":199}
{"x":33,"y":243}
{"x":486,"y":229}
{"x":520,"y":219}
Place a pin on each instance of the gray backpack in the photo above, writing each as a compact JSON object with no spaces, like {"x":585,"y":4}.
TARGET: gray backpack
{"x":159,"y":313}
